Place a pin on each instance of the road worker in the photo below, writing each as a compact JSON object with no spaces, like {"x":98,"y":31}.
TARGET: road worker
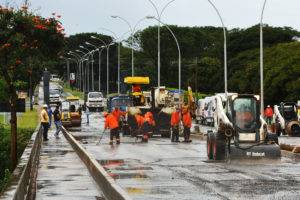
{"x":269,"y":115}
{"x":151,"y":121}
{"x":113,"y":125}
{"x":175,"y":122}
{"x":45,"y":122}
{"x":117,"y":113}
{"x":140,"y":121}
{"x":187,"y":124}
{"x":244,"y":118}
{"x":147,"y":129}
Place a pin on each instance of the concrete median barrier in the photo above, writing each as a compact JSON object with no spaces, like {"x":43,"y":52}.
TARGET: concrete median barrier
{"x":107,"y":184}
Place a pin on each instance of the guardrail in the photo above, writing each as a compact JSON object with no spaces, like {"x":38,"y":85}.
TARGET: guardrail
{"x":22,"y":183}
{"x":107,"y":184}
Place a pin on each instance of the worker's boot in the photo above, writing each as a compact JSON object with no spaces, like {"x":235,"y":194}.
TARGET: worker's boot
{"x":173,"y":137}
{"x":118,"y":141}
{"x":177,"y":138}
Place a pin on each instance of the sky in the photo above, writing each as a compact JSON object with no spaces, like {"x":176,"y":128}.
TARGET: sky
{"x":80,"y":16}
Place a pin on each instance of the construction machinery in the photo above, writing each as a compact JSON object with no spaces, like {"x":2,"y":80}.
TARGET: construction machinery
{"x":191,"y":105}
{"x":157,"y":101}
{"x":71,"y":113}
{"x":286,"y":120}
{"x":239,"y":130}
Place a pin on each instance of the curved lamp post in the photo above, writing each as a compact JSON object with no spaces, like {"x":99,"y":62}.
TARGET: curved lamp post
{"x":132,"y":52}
{"x":261,"y":62}
{"x":225,"y":48}
{"x":100,"y":52}
{"x":179,"y":56}
{"x":159,"y":14}
{"x":90,"y":52}
{"x":78,"y":60}
{"x":107,"y":64}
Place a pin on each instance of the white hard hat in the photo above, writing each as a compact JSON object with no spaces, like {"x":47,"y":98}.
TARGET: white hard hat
{"x":45,"y":106}
{"x":268,"y":106}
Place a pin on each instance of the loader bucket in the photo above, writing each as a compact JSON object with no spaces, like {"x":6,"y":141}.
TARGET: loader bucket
{"x":263,"y":151}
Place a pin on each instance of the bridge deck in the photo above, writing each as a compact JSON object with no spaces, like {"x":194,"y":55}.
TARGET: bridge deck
{"x":61,"y":174}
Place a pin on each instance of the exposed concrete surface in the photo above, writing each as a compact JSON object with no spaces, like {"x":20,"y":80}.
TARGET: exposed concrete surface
{"x":61,"y":174}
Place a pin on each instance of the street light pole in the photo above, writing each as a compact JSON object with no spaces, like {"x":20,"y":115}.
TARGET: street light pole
{"x":90,"y":52}
{"x":225,"y":48}
{"x":107,"y":70}
{"x":158,"y":41}
{"x":83,"y":71}
{"x":261,"y":62}
{"x":132,"y":52}
{"x":179,"y":56}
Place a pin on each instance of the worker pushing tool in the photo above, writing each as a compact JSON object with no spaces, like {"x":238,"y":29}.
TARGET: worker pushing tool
{"x":113,"y":125}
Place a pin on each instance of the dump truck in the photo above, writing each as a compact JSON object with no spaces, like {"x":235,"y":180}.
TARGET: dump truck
{"x":239,"y":130}
{"x":71,"y":113}
{"x":286,"y":120}
{"x":144,"y":102}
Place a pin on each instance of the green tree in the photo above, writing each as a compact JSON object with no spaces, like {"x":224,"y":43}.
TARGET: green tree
{"x":24,"y":36}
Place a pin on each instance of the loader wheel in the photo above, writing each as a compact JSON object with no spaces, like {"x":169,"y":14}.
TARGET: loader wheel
{"x":272,"y":137}
{"x":278,"y":129}
{"x":209,"y":145}
{"x":219,"y":147}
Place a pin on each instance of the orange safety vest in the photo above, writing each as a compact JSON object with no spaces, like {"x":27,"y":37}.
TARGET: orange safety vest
{"x":187,"y":120}
{"x":117,"y":114}
{"x":269,"y":112}
{"x":111,"y":122}
{"x":175,"y":119}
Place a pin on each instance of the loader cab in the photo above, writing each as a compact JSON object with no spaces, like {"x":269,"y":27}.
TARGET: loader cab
{"x":288,"y":111}
{"x":244,"y":112}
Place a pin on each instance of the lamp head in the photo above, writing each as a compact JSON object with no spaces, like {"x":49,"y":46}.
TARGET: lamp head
{"x":81,"y":47}
{"x":114,"y":16}
{"x":150,"y":17}
{"x":87,"y":43}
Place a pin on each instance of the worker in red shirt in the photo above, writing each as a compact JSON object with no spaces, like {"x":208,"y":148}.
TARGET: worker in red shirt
{"x":187,"y":124}
{"x":136,"y":88}
{"x":269,"y":114}
{"x":175,"y":122}
{"x":117,"y":114}
{"x":113,"y":125}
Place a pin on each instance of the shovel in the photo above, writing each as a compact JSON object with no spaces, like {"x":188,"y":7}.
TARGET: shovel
{"x":98,"y":143}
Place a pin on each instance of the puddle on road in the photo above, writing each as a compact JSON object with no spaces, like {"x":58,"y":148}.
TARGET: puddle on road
{"x":128,"y":176}
{"x":87,"y":139}
{"x":117,"y":169}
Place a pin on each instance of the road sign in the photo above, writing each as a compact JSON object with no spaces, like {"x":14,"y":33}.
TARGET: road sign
{"x":72,"y":77}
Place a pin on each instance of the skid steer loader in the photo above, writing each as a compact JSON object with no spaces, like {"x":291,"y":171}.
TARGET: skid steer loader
{"x":286,"y":120}
{"x":239,"y":130}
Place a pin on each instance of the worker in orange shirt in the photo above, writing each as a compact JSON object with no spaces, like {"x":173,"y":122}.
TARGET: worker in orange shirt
{"x":187,"y":124}
{"x":117,"y":113}
{"x":175,"y":122}
{"x":113,"y":125}
{"x":243,"y":117}
{"x":269,"y":114}
{"x":140,"y":121}
{"x":147,"y":129}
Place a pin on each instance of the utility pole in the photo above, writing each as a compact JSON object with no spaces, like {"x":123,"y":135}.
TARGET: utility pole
{"x":196,"y":80}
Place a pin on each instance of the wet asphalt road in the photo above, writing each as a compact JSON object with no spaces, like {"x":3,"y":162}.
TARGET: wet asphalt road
{"x":165,"y":170}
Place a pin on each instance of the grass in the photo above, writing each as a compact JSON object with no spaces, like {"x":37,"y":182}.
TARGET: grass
{"x":28,"y":120}
{"x":73,"y":92}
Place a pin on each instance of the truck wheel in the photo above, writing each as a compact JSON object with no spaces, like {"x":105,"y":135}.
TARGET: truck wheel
{"x":219,"y":147}
{"x":209,"y":145}
{"x":272,"y":137}
{"x":278,"y":129}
